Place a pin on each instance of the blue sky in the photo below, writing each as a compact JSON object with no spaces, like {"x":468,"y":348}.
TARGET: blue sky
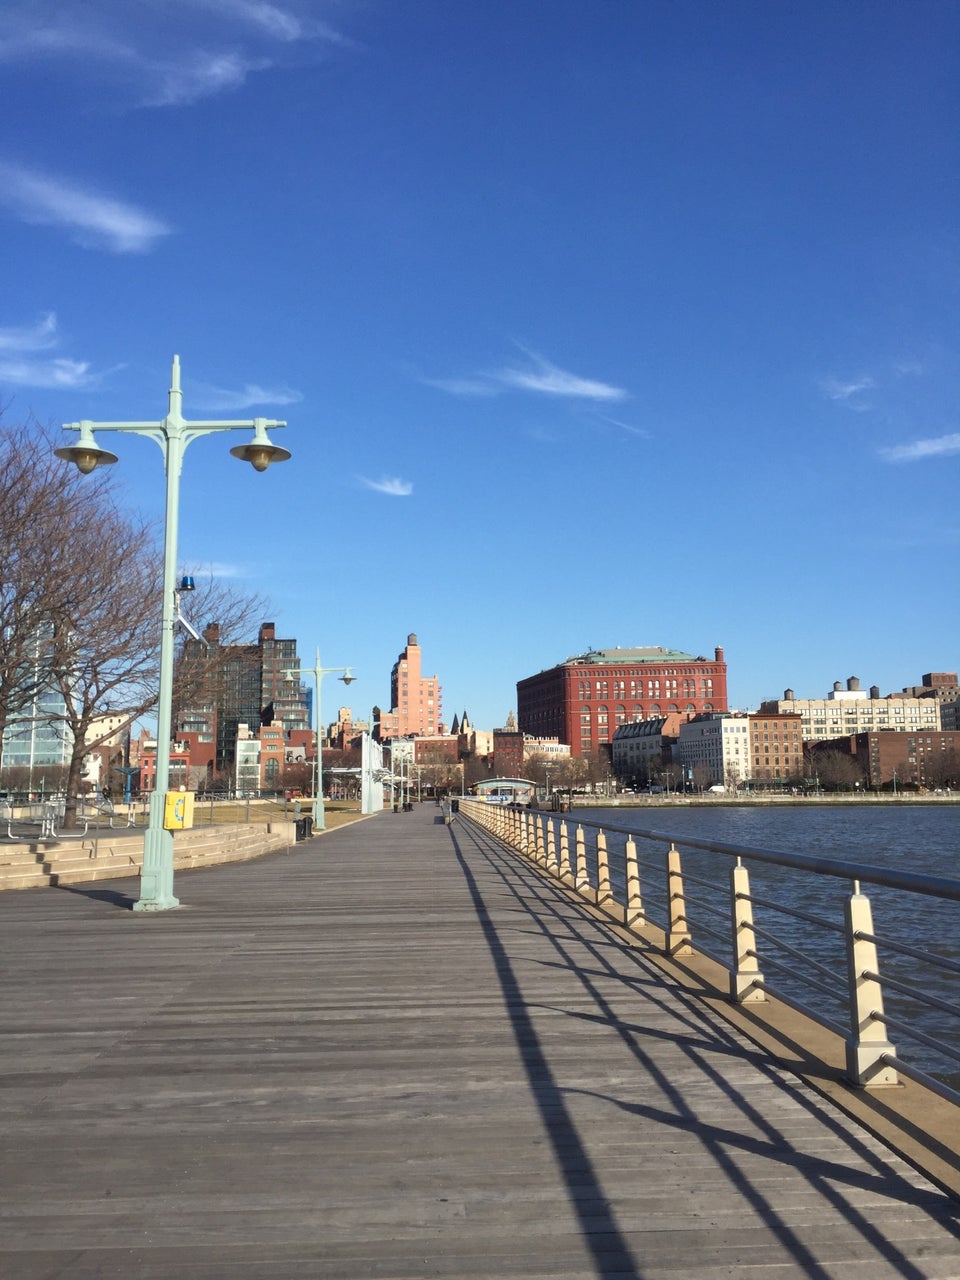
{"x":594,"y":324}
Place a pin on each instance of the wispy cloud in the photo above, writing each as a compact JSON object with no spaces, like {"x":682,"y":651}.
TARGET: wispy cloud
{"x":20,"y":367}
{"x":625,"y":426}
{"x":45,"y":373}
{"x":847,"y":392}
{"x":35,"y":337}
{"x":539,"y":376}
{"x":916,"y":450}
{"x":162,"y":55}
{"x":391,"y":485}
{"x":92,"y":219}
{"x":199,"y":75}
{"x":548,"y":379}
{"x":250,"y":394}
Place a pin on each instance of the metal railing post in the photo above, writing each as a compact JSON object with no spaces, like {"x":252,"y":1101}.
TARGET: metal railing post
{"x":566,"y":870}
{"x":745,"y":977}
{"x":582,"y":883}
{"x":868,"y":1046}
{"x":553,"y":865}
{"x":678,"y":934}
{"x":634,"y":917}
{"x":605,"y":898}
{"x":525,"y":821}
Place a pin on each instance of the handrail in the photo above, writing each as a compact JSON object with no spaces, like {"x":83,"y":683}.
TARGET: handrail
{"x":936,"y":886}
{"x":596,"y":864}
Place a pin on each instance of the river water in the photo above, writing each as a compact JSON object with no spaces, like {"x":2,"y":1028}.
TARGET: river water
{"x":915,"y":837}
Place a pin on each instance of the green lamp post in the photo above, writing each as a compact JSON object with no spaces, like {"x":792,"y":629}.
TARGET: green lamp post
{"x":318,"y":672}
{"x":172,"y":434}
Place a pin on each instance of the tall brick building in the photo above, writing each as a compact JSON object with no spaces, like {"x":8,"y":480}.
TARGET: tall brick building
{"x":415,"y":706}
{"x":583,"y":700}
{"x":221,"y":686}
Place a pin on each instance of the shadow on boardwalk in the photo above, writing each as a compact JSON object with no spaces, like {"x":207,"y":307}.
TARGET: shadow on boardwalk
{"x":395,"y":1051}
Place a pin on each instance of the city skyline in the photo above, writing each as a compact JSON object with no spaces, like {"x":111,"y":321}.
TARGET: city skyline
{"x":593,"y":326}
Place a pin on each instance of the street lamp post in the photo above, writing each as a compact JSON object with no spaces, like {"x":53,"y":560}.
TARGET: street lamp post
{"x":172,"y":434}
{"x":318,"y":672}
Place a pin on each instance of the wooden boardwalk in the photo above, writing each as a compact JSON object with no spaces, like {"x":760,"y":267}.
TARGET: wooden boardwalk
{"x":395,"y":1051}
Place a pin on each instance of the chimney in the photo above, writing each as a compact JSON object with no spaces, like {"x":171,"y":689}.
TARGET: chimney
{"x":718,"y":655}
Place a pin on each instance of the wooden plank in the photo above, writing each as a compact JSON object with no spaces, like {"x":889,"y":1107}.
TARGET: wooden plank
{"x":396,"y":1051}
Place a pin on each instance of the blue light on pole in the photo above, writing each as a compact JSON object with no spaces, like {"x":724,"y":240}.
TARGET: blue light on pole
{"x":172,"y":434}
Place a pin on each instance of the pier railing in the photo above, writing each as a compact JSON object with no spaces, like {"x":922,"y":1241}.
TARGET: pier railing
{"x":816,"y":944}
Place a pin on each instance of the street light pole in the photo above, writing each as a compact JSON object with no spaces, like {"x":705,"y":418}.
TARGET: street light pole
{"x":318,"y":672}
{"x":172,"y":434}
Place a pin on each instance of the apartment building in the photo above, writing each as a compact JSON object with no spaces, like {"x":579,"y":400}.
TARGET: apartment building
{"x":415,"y":699}
{"x":776,"y":746}
{"x":901,"y":760}
{"x":585,"y":699}
{"x":640,"y":749}
{"x":714,"y":749}
{"x":850,"y":710}
{"x":222,"y":686}
{"x":945,"y":688}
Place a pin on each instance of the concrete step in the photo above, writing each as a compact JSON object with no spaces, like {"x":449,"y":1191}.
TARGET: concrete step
{"x":82,"y":860}
{"x":18,"y":855}
{"x":24,"y":878}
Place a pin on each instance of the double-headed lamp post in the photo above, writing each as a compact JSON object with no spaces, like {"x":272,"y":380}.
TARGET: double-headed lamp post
{"x":172,"y":434}
{"x":318,"y":672}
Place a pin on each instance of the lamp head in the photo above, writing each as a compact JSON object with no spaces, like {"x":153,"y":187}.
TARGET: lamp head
{"x":348,"y":677}
{"x":261,"y":450}
{"x":86,"y":455}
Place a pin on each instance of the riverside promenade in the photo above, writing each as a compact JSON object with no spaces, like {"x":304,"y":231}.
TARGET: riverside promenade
{"x":395,"y":1051}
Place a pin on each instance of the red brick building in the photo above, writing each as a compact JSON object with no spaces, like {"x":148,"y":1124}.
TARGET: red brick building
{"x":890,"y":757}
{"x":584,"y":700}
{"x":776,"y":746}
{"x":507,"y":754}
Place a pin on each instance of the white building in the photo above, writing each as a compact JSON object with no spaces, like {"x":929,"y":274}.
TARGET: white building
{"x":545,"y":749}
{"x":849,"y":710}
{"x":720,"y":744}
{"x":248,"y":761}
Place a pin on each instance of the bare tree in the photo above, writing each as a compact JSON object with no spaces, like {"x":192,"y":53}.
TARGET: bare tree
{"x":106,"y":646}
{"x":48,"y":527}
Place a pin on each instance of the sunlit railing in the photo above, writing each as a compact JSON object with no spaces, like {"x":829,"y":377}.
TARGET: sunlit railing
{"x":817,"y":936}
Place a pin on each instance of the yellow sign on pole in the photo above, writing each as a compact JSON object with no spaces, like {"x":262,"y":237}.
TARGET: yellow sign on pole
{"x":178,"y":810}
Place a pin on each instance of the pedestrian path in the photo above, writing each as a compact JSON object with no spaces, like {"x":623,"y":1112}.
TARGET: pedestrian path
{"x":395,"y":1051}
